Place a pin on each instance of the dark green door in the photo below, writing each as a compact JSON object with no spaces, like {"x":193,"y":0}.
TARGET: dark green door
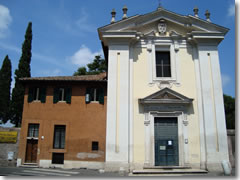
{"x":166,"y":141}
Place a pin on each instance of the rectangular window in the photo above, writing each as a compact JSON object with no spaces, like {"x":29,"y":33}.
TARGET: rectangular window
{"x":33,"y":130}
{"x":163,"y":66}
{"x":95,"y":95}
{"x":62,"y":94}
{"x":37,"y":94}
{"x":57,"y":158}
{"x":59,"y":137}
{"x":94,"y":146}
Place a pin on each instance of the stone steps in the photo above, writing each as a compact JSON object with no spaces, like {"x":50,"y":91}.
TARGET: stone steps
{"x":29,"y":165}
{"x":168,"y":171}
{"x":167,"y":167}
{"x":171,"y":175}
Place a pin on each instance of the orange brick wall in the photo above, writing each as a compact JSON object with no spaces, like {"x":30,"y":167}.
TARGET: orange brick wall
{"x":84,"y":123}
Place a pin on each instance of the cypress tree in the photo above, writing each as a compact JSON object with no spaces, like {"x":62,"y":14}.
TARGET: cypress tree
{"x":5,"y":87}
{"x":22,"y":71}
{"x":229,"y":106}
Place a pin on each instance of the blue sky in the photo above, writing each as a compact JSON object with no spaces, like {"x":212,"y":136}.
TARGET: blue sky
{"x":65,"y":31}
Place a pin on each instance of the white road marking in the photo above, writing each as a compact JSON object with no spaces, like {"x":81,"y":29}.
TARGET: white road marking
{"x":23,"y":174}
{"x":55,"y":170}
{"x":46,"y":173}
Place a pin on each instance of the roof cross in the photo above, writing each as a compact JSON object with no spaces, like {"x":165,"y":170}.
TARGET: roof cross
{"x":159,"y":4}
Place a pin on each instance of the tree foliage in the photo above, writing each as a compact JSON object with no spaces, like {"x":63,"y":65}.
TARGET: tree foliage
{"x":229,"y":105}
{"x":23,"y":70}
{"x":97,"y":66}
{"x":5,"y":88}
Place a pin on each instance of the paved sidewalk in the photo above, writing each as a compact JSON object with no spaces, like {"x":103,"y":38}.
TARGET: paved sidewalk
{"x":39,"y":172}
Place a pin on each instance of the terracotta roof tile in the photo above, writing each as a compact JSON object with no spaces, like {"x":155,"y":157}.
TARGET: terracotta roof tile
{"x":99,"y":77}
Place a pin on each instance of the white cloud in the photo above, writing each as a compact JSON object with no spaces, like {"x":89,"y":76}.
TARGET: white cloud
{"x":47,"y":59}
{"x":83,"y":56}
{"x":225,"y":79}
{"x":35,"y":55}
{"x":10,"y":48}
{"x":231,"y":10}
{"x":5,"y":20}
{"x":83,"y":22}
{"x":54,"y":72}
{"x":72,"y":25}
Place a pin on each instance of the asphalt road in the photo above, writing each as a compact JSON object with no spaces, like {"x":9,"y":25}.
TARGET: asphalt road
{"x":20,"y":171}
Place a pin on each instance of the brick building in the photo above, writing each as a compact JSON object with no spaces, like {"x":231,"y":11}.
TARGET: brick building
{"x":59,"y":113}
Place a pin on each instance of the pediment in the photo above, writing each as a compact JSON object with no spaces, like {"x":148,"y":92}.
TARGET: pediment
{"x":148,"y":23}
{"x":166,"y":96}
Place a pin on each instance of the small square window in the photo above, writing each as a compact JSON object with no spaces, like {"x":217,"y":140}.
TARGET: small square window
{"x":57,"y":158}
{"x":94,"y":146}
{"x":33,"y":130}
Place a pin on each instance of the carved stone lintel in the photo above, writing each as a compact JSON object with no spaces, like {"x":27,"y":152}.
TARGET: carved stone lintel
{"x":164,"y":108}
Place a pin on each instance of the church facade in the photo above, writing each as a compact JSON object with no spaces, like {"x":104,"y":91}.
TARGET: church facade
{"x":160,"y":104}
{"x":165,"y":99}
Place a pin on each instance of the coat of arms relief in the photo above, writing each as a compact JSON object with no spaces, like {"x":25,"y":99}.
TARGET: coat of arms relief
{"x":162,"y":26}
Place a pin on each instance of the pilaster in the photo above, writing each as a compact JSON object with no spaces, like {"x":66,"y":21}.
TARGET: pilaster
{"x":200,"y":109}
{"x":117,"y":140}
{"x":213,"y":108}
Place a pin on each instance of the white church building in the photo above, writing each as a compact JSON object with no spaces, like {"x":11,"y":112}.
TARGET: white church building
{"x":164,"y":96}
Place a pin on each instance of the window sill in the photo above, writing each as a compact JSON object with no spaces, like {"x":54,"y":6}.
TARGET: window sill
{"x":61,"y":101}
{"x":35,"y":138}
{"x":95,"y":151}
{"x":95,"y":102}
{"x":37,"y":101}
{"x":164,"y":79}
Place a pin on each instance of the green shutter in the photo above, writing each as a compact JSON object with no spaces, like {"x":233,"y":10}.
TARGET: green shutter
{"x":30,"y":94}
{"x":56,"y":95}
{"x":43,"y":95}
{"x":88,"y":95}
{"x":68,"y":95}
{"x":101,"y":96}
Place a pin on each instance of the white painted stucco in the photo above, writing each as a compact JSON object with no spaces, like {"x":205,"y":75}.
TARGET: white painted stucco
{"x":195,"y":74}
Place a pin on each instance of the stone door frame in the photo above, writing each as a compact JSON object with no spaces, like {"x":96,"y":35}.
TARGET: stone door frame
{"x":150,"y":141}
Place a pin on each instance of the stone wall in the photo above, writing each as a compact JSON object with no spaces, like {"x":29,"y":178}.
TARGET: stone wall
{"x":231,"y":146}
{"x":5,"y":148}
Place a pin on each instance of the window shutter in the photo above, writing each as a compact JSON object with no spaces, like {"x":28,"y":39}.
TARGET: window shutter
{"x":43,"y":95}
{"x":30,"y":94}
{"x":101,"y":96}
{"x":88,"y":96}
{"x":68,"y":95}
{"x":56,"y":95}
